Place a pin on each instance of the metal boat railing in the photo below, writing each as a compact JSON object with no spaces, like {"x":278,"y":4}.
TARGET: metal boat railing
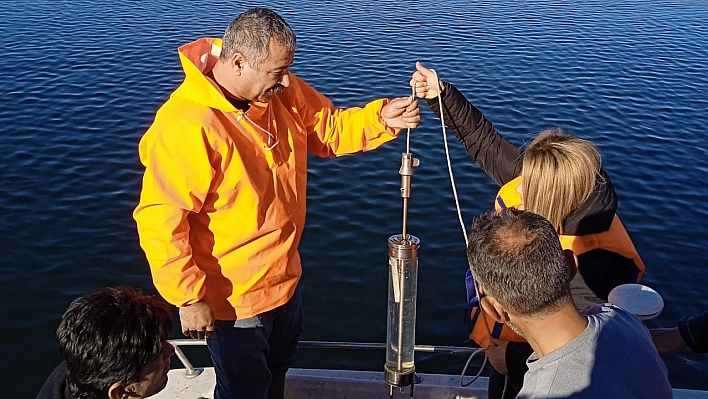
{"x":192,"y":371}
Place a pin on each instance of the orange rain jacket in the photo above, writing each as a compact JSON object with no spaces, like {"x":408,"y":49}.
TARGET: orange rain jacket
{"x":220,"y":217}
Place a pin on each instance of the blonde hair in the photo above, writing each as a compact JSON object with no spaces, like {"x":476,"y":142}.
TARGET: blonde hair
{"x":559,"y":174}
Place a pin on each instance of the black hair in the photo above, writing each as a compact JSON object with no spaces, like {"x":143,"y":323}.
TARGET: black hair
{"x":109,"y":336}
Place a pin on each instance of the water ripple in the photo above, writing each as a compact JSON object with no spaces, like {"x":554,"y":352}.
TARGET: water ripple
{"x":82,"y":80}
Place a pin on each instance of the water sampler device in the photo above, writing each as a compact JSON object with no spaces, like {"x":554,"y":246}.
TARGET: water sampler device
{"x":399,"y":370}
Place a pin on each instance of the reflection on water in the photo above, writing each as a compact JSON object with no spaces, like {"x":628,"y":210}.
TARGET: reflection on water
{"x":82,"y":79}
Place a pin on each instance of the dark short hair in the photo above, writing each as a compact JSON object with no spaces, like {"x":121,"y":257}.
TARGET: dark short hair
{"x":517,"y":258}
{"x":251,"y":32}
{"x":109,"y":336}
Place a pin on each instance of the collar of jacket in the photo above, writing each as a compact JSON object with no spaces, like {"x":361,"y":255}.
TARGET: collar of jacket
{"x":198,"y":58}
{"x":595,"y":215}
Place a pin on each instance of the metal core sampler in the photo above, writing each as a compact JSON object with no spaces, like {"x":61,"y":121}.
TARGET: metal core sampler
{"x":399,"y":370}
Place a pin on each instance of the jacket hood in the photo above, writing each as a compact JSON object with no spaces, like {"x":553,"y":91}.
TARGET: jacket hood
{"x":595,"y":215}
{"x":198,"y":58}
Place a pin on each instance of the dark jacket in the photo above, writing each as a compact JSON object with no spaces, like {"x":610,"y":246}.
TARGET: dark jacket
{"x":55,"y":386}
{"x":602,"y":270}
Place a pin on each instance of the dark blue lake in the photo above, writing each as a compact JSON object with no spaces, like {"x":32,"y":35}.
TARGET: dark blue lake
{"x":81,"y":81}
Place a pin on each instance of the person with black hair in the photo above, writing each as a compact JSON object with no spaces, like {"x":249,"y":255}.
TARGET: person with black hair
{"x":114,"y":344}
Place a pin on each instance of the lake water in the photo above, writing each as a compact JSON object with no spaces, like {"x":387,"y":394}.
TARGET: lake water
{"x":81,"y":81}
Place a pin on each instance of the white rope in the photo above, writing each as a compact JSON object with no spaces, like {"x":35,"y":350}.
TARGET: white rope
{"x":464,"y":369}
{"x":408,"y":133}
{"x":447,"y":155}
{"x":464,"y":231}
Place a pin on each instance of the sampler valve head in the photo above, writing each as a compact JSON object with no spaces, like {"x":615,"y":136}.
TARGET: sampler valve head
{"x":407,"y":164}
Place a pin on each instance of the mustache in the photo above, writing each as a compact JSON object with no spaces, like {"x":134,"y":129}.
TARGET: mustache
{"x":276,"y":89}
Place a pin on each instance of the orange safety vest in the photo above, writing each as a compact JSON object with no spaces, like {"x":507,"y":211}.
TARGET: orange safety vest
{"x":614,"y":240}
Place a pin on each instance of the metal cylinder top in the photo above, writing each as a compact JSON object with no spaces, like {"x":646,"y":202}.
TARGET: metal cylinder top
{"x":403,"y":249}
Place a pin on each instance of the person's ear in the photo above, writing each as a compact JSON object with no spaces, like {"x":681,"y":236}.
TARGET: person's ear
{"x":117,"y":391}
{"x":121,"y":390}
{"x":238,"y":62}
{"x":494,"y":309}
{"x":572,"y":261}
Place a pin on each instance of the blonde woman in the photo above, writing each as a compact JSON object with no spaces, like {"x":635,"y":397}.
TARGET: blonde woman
{"x":559,"y":177}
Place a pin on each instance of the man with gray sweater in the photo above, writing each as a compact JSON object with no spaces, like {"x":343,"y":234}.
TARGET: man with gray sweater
{"x":523,"y":278}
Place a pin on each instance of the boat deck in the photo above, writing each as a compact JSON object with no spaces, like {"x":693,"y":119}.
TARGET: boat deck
{"x":198,"y":383}
{"x":339,"y":384}
{"x":343,"y":384}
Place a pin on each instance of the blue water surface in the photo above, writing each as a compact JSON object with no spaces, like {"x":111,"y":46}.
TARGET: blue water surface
{"x":81,"y":81}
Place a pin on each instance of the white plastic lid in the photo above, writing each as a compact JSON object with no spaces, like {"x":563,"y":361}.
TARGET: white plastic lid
{"x":639,"y":300}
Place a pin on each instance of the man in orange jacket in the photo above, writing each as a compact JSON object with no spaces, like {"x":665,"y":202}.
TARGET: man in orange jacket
{"x":222,"y":207}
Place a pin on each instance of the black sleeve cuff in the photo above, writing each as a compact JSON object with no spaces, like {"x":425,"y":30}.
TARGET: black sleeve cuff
{"x":694,"y":330}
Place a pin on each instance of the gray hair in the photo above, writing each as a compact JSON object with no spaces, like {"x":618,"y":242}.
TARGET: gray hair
{"x":517,"y":258}
{"x":251,"y":32}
